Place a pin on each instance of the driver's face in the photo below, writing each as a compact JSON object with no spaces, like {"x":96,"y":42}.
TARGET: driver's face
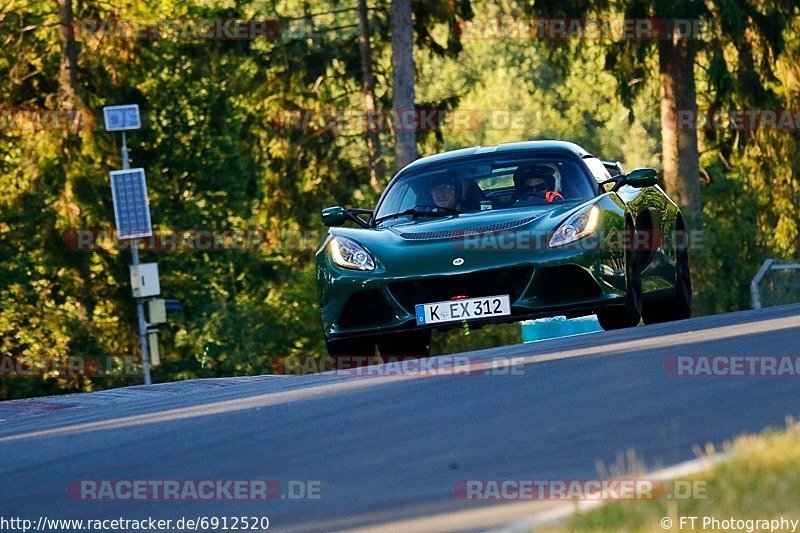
{"x":537,"y":184}
{"x":444,"y":195}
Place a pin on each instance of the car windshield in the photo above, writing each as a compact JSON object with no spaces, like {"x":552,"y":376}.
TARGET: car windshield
{"x":485,"y":185}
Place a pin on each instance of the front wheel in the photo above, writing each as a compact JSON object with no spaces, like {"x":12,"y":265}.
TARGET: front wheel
{"x":679,"y":306}
{"x":629,"y":314}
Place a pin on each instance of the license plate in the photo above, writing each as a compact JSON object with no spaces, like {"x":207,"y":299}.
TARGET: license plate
{"x":466,"y":309}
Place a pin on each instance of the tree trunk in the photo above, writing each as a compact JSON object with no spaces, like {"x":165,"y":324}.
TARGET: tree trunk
{"x":405,"y":134}
{"x":69,"y":101}
{"x":68,"y":69}
{"x":377,"y":171}
{"x":678,"y":124}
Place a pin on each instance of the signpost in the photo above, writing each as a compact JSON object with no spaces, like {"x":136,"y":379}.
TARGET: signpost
{"x":131,"y":208}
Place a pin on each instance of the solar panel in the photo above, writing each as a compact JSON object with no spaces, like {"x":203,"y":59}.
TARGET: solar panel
{"x":122,"y":117}
{"x":131,"y":208}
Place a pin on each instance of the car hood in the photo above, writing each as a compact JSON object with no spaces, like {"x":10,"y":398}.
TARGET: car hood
{"x":430,"y":245}
{"x":427,"y":228}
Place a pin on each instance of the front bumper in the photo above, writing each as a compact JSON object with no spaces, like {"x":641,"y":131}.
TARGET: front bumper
{"x":540,"y":284}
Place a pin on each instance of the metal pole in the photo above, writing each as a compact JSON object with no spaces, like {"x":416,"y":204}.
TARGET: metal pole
{"x":139,"y":305}
{"x":755,"y":295}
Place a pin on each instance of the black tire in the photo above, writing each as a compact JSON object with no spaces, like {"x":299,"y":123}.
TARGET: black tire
{"x":629,"y":314}
{"x":405,"y":345}
{"x":351,"y":353}
{"x":679,"y":306}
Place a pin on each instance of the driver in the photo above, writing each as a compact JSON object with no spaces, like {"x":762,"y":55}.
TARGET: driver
{"x":444,"y":195}
{"x":536,"y":181}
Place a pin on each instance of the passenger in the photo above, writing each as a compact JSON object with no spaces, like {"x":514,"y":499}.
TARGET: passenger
{"x":444,"y":195}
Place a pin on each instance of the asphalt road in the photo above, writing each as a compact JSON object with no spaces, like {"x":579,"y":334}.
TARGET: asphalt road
{"x":389,"y":449}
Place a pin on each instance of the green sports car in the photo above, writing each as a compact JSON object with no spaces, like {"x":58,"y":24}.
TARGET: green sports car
{"x":499,"y":234}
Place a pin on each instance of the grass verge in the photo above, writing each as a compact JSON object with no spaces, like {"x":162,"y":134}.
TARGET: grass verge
{"x":760,"y":481}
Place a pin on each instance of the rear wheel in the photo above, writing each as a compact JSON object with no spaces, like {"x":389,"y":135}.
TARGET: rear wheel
{"x":405,"y":345}
{"x":351,"y":353}
{"x":679,"y":306}
{"x":628,"y":315}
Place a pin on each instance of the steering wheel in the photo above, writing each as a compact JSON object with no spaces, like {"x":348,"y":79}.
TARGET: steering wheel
{"x":528,"y":195}
{"x":548,"y":196}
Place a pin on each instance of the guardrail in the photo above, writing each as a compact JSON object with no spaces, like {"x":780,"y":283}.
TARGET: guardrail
{"x":769,"y":265}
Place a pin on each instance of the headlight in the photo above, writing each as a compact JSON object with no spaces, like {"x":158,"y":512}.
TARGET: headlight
{"x":348,"y":253}
{"x":578,"y":226}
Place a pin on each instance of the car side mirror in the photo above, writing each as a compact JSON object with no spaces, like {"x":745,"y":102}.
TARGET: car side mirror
{"x":334,"y":216}
{"x":641,"y":177}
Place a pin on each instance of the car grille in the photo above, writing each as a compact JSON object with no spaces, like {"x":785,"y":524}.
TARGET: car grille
{"x":511,"y":281}
{"x":465,"y":232}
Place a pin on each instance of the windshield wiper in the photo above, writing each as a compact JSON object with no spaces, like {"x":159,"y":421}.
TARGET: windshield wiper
{"x":423,"y":210}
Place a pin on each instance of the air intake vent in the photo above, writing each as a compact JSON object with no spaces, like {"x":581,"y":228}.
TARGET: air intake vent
{"x":465,"y":232}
